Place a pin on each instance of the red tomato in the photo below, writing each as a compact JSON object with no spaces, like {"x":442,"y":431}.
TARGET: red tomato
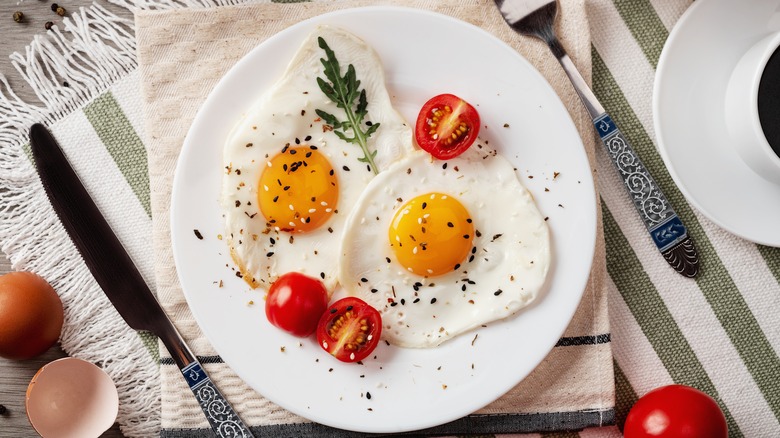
{"x":675,"y":411}
{"x":295,"y":303}
{"x":349,"y":329}
{"x":447,"y":126}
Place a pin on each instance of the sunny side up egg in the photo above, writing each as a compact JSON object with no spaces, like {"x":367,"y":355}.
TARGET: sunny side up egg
{"x":442,"y":247}
{"x":289,"y":180}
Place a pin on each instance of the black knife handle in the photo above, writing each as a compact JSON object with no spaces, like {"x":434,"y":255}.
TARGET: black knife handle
{"x":223,"y":419}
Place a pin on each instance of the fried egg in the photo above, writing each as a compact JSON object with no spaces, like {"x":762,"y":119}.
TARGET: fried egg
{"x":289,"y":180}
{"x":442,"y":247}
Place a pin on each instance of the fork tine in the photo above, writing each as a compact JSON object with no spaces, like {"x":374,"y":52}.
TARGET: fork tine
{"x":515,"y":10}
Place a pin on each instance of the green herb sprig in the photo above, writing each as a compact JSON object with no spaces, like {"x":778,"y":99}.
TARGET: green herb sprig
{"x":343,"y":91}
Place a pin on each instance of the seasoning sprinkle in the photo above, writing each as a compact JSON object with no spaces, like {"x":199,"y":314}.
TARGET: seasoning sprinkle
{"x":18,"y":17}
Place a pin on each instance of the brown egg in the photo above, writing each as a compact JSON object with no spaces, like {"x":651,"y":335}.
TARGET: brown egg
{"x":30,"y":315}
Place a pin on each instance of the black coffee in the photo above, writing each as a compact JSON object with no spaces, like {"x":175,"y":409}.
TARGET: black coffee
{"x":769,"y":101}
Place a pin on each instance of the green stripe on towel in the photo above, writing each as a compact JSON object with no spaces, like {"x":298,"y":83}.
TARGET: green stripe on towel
{"x":644,"y":24}
{"x":122,"y":142}
{"x":652,"y":315}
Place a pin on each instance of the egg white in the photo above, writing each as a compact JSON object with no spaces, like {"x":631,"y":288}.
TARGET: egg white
{"x":505,"y":272}
{"x":286,"y":114}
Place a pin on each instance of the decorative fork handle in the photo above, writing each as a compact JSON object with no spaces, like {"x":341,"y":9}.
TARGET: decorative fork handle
{"x":665,"y":227}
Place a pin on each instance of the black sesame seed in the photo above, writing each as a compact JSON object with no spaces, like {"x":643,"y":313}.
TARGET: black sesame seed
{"x":424,"y":204}
{"x":444,"y":166}
{"x":450,"y":224}
{"x":331,"y":172}
{"x":284,"y":167}
{"x":364,"y":280}
{"x":345,"y":168}
{"x":322,"y":275}
{"x":433,"y":300}
{"x":238,"y":203}
{"x":286,"y":147}
{"x":285,"y":188}
{"x":457,"y":266}
{"x":333,"y":310}
{"x":403,"y":302}
{"x":269,"y":254}
{"x":498,"y":292}
{"x":393,"y":304}
{"x":468,"y":220}
{"x":198,"y":235}
{"x":368,"y":395}
{"x":388,"y":259}
{"x":471,"y":259}
{"x":349,"y":308}
{"x":465,"y":236}
{"x":276,"y":198}
{"x":314,"y":148}
{"x":373,"y":291}
{"x":297,"y":141}
{"x":416,"y":300}
{"x":293,"y":151}
{"x":463,"y":288}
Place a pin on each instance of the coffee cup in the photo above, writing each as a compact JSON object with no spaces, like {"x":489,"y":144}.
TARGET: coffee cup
{"x":753,"y":107}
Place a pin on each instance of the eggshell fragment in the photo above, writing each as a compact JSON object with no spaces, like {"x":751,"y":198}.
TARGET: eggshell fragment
{"x":71,"y":398}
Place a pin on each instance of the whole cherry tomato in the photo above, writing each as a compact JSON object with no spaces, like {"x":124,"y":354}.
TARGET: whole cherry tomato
{"x":295,"y":303}
{"x":446,"y":126}
{"x":349,"y":329}
{"x":676,"y":411}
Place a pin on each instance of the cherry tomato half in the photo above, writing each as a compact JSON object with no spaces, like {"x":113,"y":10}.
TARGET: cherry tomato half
{"x":349,"y":329}
{"x":295,"y":303}
{"x":446,"y":126}
{"x":675,"y":411}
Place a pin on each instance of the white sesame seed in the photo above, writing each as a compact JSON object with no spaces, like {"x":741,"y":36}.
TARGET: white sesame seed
{"x":268,"y":163}
{"x":370,"y":337}
{"x":419,"y":220}
{"x":414,"y":250}
{"x":362,"y":220}
{"x":325,"y":344}
{"x":324,"y":204}
{"x":409,"y":269}
{"x":292,"y":224}
{"x":265,"y":187}
{"x":328,"y":210}
{"x":433,"y":196}
{"x":426,"y":215}
{"x":352,"y":356}
{"x":312,"y":210}
{"x":443,"y":196}
{"x":292,"y":208}
{"x":430,"y":271}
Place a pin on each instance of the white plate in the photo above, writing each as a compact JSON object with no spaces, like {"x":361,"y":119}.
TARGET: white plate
{"x":690,"y":122}
{"x":424,"y":54}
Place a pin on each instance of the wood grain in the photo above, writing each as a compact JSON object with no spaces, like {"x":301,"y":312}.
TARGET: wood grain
{"x":15,"y":375}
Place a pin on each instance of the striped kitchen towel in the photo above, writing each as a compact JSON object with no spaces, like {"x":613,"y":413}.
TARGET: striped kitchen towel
{"x":718,"y":333}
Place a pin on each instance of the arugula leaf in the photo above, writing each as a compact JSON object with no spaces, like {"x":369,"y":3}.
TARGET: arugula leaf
{"x":343,"y":91}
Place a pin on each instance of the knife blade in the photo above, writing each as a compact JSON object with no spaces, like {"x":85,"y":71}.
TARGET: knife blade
{"x":119,"y":278}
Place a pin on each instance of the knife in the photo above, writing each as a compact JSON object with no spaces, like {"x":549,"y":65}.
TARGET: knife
{"x":119,"y":278}
{"x":536,"y":18}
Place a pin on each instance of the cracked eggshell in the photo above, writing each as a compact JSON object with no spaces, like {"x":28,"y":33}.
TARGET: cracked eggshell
{"x":71,"y":398}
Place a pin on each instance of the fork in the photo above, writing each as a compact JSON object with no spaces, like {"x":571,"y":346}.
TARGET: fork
{"x":536,"y":18}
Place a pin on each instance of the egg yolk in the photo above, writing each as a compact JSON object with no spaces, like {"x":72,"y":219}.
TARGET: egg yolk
{"x":298,"y":189}
{"x":431,"y":234}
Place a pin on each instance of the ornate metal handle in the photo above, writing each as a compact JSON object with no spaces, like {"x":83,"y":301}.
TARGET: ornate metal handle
{"x":223,"y":419}
{"x":665,"y":227}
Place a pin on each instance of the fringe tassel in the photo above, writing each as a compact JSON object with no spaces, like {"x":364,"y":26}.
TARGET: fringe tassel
{"x":173,"y":4}
{"x":95,"y":50}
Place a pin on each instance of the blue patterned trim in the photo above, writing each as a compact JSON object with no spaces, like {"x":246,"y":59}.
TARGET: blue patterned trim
{"x":669,"y":233}
{"x":604,"y":126}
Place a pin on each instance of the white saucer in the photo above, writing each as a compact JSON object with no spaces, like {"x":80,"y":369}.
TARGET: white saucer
{"x":688,"y":108}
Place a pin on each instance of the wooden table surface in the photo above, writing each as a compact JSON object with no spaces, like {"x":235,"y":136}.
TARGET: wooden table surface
{"x":15,"y":375}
